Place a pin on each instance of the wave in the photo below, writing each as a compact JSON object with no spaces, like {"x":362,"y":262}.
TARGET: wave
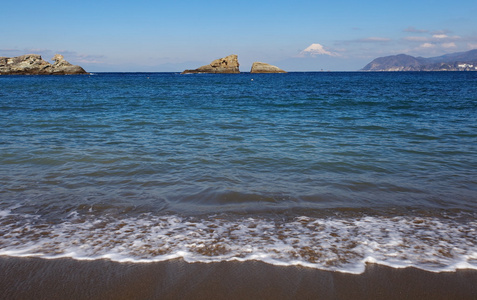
{"x":338,"y":241}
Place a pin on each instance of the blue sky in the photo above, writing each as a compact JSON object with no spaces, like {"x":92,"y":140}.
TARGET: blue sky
{"x":295,"y":35}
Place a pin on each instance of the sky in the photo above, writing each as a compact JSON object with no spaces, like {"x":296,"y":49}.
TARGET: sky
{"x":173,"y":35}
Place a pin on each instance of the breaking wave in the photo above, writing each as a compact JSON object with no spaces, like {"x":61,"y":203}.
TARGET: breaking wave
{"x":340,"y":241}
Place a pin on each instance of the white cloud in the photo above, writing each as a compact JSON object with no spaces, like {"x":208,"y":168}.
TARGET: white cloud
{"x":446,"y":37}
{"x":434,"y":43}
{"x":449,"y":45}
{"x":316,"y":49}
{"x":433,"y":38}
{"x":427,"y":45}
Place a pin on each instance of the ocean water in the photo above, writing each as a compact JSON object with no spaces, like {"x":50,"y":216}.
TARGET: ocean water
{"x":324,"y":170}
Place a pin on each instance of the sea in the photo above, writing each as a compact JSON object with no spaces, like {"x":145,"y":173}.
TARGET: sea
{"x":325,"y":170}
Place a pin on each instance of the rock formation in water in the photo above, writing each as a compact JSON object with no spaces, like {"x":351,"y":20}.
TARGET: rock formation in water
{"x":228,"y":64}
{"x":260,"y":67}
{"x":33,"y":64}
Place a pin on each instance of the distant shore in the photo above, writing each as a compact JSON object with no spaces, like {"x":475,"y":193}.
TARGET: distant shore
{"x":35,"y":278}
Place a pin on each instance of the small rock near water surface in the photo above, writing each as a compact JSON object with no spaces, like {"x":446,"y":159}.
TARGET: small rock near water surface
{"x":228,"y":64}
{"x":260,"y":67}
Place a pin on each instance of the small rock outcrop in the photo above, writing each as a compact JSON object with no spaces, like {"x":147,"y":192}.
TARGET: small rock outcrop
{"x":225,"y":65}
{"x":33,"y":64}
{"x":61,"y":66}
{"x":260,"y":67}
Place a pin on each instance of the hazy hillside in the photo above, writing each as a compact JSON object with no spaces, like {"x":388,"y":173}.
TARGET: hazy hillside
{"x":459,"y":61}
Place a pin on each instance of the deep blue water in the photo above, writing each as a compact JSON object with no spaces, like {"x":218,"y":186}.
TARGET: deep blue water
{"x":277,"y":163}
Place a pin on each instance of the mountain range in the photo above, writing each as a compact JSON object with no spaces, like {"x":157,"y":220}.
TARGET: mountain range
{"x":459,"y":61}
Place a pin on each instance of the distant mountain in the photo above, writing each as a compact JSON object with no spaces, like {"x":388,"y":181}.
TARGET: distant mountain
{"x":460,"y":61}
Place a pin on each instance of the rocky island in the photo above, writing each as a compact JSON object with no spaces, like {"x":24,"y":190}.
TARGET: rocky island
{"x":259,"y":67}
{"x":33,"y":64}
{"x":225,"y":65}
{"x":461,"y":61}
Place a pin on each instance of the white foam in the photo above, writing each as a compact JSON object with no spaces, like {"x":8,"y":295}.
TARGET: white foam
{"x":343,"y":244}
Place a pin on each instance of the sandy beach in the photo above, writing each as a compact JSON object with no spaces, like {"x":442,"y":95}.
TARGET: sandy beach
{"x":34,"y":278}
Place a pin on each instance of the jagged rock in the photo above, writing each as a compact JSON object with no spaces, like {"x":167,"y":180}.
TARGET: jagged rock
{"x":260,"y":67}
{"x":61,"y":66}
{"x":33,"y":64}
{"x":228,"y":64}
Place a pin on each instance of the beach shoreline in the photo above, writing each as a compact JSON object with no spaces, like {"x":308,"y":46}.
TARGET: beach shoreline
{"x":37,"y":278}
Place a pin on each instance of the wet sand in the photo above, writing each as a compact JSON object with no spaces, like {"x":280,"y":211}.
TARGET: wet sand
{"x":35,"y":278}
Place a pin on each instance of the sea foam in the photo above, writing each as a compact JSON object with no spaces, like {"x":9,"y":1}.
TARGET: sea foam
{"x":338,"y":243}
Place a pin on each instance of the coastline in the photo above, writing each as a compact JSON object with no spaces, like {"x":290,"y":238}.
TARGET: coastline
{"x":37,"y":278}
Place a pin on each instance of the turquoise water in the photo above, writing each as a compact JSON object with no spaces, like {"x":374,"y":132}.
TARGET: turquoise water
{"x":327,"y":170}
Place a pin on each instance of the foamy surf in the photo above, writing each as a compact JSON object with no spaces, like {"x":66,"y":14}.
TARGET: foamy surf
{"x":344,"y":243}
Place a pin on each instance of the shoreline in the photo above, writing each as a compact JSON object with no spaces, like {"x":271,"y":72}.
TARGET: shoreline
{"x":37,"y":278}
